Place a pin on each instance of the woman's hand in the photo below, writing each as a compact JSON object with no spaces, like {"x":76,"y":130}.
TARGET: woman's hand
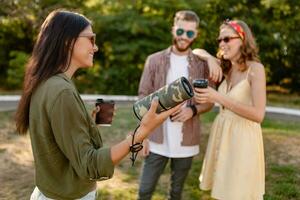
{"x":95,"y":111}
{"x":151,"y":119}
{"x":206,"y":95}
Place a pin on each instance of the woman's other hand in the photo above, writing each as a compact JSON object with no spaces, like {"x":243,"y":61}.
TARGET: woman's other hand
{"x":95,"y":110}
{"x":206,"y":95}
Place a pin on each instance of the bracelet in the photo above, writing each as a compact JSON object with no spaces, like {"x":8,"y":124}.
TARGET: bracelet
{"x":194,"y":109}
{"x":134,"y":148}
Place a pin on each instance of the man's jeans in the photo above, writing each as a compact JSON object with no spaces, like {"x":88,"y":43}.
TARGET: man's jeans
{"x":154,"y":166}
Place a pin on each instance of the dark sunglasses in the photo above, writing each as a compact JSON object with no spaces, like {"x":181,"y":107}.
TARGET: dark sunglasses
{"x":91,"y":37}
{"x":190,"y":34}
{"x":227,"y":39}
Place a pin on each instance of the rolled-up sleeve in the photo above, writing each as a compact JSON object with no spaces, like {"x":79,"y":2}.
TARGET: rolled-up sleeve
{"x":74,"y":136}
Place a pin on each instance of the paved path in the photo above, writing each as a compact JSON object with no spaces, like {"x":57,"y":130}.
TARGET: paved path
{"x":9,"y":102}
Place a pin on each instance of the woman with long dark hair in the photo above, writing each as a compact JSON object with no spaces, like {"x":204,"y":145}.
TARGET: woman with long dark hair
{"x":67,"y":146}
{"x":233,"y":167}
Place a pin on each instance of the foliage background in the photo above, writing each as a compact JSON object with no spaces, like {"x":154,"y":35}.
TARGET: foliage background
{"x":129,"y":30}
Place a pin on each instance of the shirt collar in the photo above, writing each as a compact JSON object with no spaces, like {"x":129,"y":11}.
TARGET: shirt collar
{"x":189,"y":56}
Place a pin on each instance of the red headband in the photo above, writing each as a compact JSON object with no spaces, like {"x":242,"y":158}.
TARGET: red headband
{"x":237,"y":28}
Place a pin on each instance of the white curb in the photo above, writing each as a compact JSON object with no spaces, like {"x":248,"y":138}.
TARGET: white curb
{"x":122,"y":98}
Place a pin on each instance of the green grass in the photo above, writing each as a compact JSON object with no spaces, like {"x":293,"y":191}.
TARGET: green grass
{"x":275,"y":126}
{"x":282,"y":179}
{"x":282,"y":182}
{"x":283,"y":100}
{"x":282,"y":155}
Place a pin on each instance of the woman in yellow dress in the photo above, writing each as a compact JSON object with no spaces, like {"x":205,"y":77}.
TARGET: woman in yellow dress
{"x":233,"y":167}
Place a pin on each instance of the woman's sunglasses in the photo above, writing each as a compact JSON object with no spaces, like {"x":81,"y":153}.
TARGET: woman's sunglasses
{"x":91,"y":37}
{"x":190,"y":34}
{"x":227,"y":39}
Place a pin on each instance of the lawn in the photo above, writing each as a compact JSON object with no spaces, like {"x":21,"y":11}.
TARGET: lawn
{"x":282,"y":153}
{"x":281,"y":140}
{"x":283,"y":100}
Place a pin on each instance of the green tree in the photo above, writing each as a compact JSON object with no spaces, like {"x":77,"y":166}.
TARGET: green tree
{"x":129,"y":30}
{"x":15,"y":72}
{"x":20,"y":22}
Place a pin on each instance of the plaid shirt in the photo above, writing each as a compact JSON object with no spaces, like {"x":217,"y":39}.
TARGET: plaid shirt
{"x":154,"y":77}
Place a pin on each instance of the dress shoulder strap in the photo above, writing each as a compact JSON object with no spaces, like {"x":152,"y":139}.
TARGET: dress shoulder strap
{"x":249,"y":69}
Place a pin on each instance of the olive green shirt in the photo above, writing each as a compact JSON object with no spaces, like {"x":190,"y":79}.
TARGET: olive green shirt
{"x":66,"y":143}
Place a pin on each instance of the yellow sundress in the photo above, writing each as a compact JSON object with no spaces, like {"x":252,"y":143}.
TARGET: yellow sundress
{"x":233,"y":167}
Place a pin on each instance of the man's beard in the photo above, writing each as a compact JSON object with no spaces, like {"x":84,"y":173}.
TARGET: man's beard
{"x":182,"y":49}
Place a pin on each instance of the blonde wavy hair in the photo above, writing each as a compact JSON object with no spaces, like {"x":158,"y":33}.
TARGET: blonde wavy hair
{"x":249,"y":49}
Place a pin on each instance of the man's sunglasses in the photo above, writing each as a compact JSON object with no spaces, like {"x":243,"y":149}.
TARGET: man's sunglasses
{"x":91,"y":37}
{"x":227,"y":39}
{"x":190,"y":34}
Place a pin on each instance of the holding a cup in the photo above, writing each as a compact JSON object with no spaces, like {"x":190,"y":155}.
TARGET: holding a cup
{"x":105,"y":115}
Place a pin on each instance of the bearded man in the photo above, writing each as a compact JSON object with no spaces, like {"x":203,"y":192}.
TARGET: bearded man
{"x":177,"y":139}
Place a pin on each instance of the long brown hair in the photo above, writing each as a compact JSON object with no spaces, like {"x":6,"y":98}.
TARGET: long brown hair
{"x":51,"y":55}
{"x":249,"y":49}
